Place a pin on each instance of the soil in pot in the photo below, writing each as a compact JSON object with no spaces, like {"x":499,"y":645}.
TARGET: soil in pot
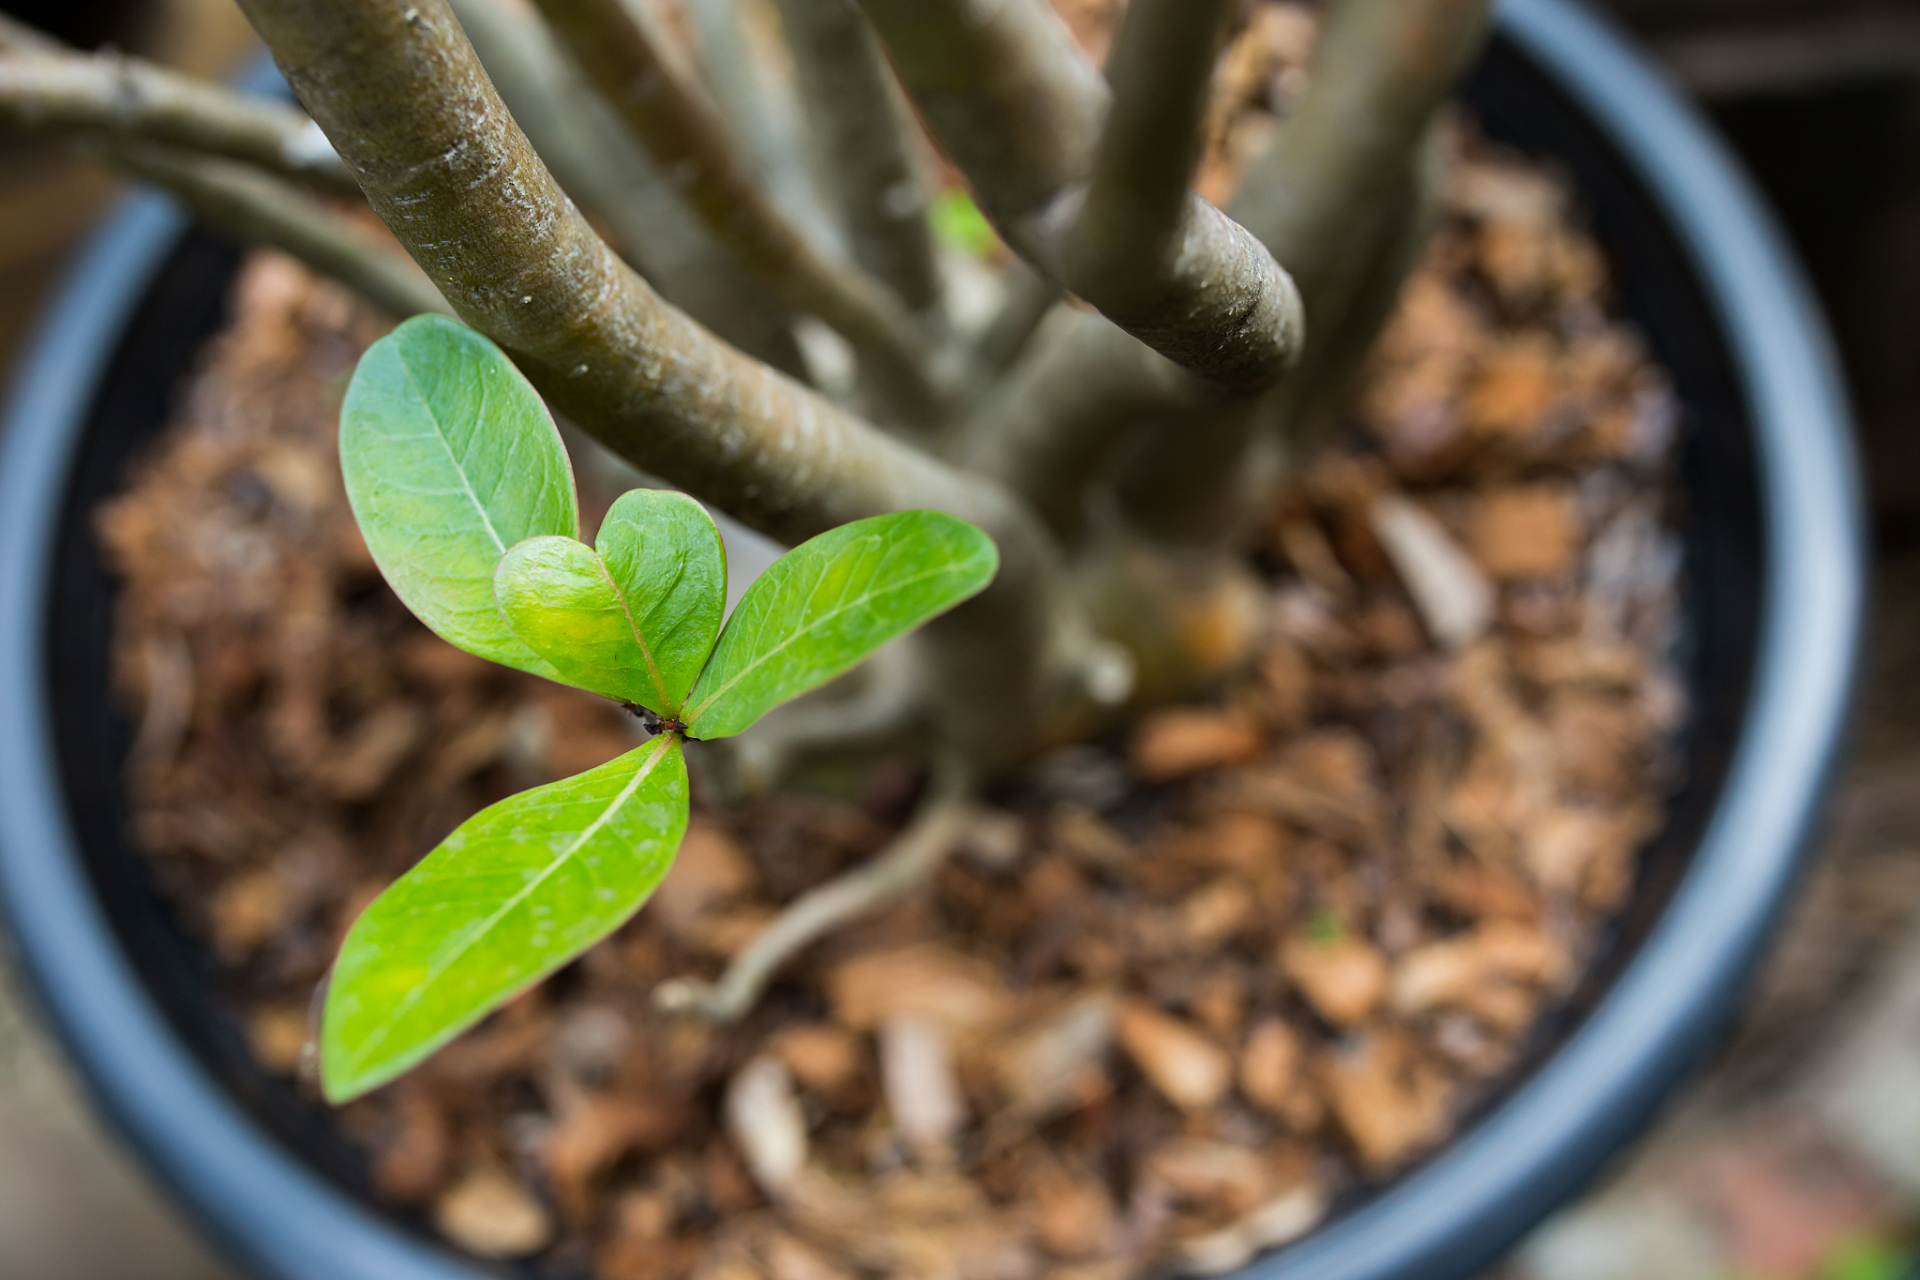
{"x":1179,"y":992}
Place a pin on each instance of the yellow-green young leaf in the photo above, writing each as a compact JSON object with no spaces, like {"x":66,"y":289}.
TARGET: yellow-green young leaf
{"x":828,"y":603}
{"x":520,"y":889}
{"x":450,"y":458}
{"x":664,"y":551}
{"x":634,"y":620}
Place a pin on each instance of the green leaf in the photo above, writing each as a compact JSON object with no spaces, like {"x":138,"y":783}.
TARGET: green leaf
{"x":958,"y":223}
{"x":521,"y":888}
{"x":634,"y":620}
{"x":828,"y":603}
{"x":450,"y":458}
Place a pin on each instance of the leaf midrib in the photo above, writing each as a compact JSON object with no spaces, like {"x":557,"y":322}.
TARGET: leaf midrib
{"x":440,"y":434}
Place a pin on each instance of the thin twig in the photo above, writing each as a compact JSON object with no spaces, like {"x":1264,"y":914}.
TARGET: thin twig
{"x":864,"y":134}
{"x":251,"y":205}
{"x":680,"y":127}
{"x":1020,"y":109}
{"x":114,"y":96}
{"x":905,"y":864}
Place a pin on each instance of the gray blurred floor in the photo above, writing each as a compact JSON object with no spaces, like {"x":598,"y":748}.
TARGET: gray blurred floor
{"x":72,"y":1204}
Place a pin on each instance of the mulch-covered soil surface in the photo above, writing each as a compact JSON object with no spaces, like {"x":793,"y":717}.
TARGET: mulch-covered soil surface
{"x":1178,"y":990}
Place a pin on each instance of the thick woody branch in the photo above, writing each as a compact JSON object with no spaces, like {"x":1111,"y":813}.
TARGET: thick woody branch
{"x":601,"y":166}
{"x":1021,"y":111}
{"x":863,"y":133}
{"x":253,"y":206}
{"x":404,"y":100}
{"x":1338,"y":199}
{"x":689,"y":140}
{"x":1381,"y":71}
{"x":112,"y":96}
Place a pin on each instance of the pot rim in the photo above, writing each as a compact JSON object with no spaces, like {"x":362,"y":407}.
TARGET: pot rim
{"x":1536,"y":1147}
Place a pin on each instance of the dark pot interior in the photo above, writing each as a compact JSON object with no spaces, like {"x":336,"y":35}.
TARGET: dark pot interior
{"x":1730,"y":525}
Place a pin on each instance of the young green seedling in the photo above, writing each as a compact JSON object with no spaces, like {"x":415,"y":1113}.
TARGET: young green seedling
{"x":463,"y":490}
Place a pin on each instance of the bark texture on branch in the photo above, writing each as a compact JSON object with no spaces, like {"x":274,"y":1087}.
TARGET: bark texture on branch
{"x":609,"y":174}
{"x":112,"y":96}
{"x":1021,"y":110}
{"x":402,"y":96}
{"x":690,"y":141}
{"x":864,"y":135}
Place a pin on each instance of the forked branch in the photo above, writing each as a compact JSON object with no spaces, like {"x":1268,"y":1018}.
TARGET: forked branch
{"x":1021,"y":110}
{"x":667,"y":112}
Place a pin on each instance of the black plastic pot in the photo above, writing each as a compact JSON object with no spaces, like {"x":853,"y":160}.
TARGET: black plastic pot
{"x":1774,"y":601}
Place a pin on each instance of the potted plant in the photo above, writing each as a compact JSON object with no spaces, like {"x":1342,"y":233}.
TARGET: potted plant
{"x":1216,"y":340}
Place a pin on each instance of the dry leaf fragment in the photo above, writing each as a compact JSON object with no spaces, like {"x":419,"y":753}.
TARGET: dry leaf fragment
{"x":710,"y":869}
{"x":824,"y":1059}
{"x":766,"y":1124}
{"x":1285,"y":1217}
{"x":1042,"y":1070}
{"x":922,"y":1092}
{"x":963,"y":995}
{"x":1460,"y":970}
{"x":1216,"y":913}
{"x":1188,"y":1069}
{"x":490,"y":1215}
{"x":1074,"y":1216}
{"x":1184,"y":740}
{"x":1526,"y":531}
{"x":1270,"y":1066}
{"x":1388,"y":1106}
{"x":1344,"y":980}
{"x":1454,"y":598}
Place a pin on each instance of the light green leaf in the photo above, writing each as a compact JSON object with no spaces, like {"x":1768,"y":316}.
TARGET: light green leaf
{"x":521,"y":888}
{"x":450,"y":458}
{"x":634,"y":620}
{"x":828,"y":603}
{"x":665,"y":552}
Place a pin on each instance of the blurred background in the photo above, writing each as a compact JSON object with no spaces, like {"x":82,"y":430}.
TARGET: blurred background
{"x":1777,"y":1162}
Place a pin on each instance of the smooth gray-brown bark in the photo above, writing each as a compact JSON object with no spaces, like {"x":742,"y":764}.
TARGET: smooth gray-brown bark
{"x":113,"y":96}
{"x":1383,"y":69}
{"x":686,"y":136}
{"x":614,"y":179}
{"x":1021,"y":110}
{"x":404,"y":100}
{"x":864,"y":136}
